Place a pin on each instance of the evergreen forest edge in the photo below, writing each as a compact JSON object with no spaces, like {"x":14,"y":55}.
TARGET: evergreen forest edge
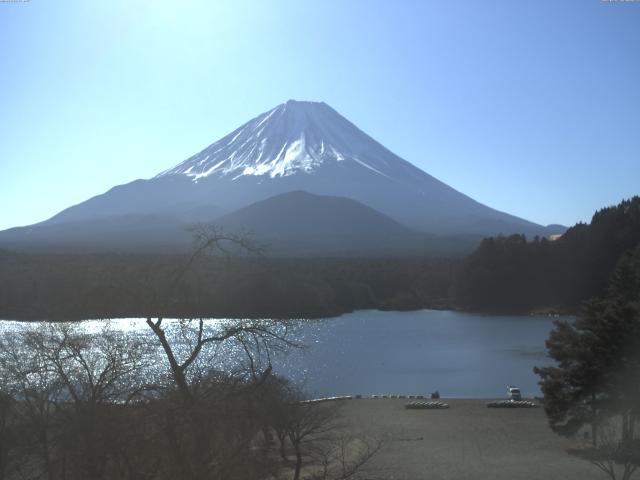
{"x":504,"y":275}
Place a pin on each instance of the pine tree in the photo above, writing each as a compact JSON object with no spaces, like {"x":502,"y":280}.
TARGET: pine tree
{"x":596,"y":380}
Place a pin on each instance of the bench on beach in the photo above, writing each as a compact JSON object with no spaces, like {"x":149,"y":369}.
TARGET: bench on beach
{"x":512,"y":404}
{"x":426,"y":405}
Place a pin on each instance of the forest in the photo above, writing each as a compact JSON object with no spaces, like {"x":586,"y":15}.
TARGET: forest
{"x":72,"y":287}
{"x":505,"y":274}
{"x":512,"y":274}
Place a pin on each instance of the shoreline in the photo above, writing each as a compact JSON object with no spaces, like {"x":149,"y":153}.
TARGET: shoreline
{"x":424,"y":397}
{"x":552,"y":313}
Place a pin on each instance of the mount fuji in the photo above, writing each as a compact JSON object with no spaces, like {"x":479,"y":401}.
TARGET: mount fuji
{"x":295,"y":147}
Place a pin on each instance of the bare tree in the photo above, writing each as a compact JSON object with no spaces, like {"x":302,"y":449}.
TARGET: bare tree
{"x":7,"y":433}
{"x":70,"y":385}
{"x":204,"y":444}
{"x":25,"y":378}
{"x":320,"y":444}
{"x":345,"y":456}
{"x":618,"y":451}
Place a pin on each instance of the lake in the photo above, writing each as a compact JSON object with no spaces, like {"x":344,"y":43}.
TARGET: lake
{"x":368,"y":352}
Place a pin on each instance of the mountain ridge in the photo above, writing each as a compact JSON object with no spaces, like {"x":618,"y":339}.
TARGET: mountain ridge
{"x":301,"y":146}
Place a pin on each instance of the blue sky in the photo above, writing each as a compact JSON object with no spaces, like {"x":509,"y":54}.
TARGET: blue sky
{"x":529,"y":107}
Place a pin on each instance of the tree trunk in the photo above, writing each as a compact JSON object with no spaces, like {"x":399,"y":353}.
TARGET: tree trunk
{"x":174,"y":446}
{"x":594,"y":422}
{"x":176,"y":370}
{"x":47,"y":455}
{"x":3,"y":459}
{"x":296,"y":475}
{"x":283,"y":453}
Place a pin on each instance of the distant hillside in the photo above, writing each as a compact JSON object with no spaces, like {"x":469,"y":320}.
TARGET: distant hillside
{"x":300,"y":223}
{"x":513,"y":274}
{"x":292,"y":224}
{"x":132,"y":233}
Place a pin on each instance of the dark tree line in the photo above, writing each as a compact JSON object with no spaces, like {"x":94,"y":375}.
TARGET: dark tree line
{"x":67,"y":287}
{"x":504,"y":274}
{"x":512,"y":274}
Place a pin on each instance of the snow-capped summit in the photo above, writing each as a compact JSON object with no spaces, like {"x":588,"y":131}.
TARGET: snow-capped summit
{"x":291,"y":138}
{"x":294,"y":147}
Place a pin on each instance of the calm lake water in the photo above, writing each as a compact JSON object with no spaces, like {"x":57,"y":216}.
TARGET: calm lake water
{"x":458,"y":354}
{"x":373,"y":352}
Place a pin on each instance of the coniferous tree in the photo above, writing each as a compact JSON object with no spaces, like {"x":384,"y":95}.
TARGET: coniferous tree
{"x":596,"y":381}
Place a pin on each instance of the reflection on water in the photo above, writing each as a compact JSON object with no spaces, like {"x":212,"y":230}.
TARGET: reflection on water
{"x":369,"y":352}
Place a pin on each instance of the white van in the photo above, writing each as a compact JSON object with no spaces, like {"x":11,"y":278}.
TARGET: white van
{"x":513,"y":393}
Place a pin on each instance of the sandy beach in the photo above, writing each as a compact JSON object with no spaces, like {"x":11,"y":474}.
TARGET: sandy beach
{"x":466,"y":441}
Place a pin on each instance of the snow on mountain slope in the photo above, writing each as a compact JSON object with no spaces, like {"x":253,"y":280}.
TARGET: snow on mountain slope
{"x":294,"y":137}
{"x":302,"y":146}
{"x":309,"y":146}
